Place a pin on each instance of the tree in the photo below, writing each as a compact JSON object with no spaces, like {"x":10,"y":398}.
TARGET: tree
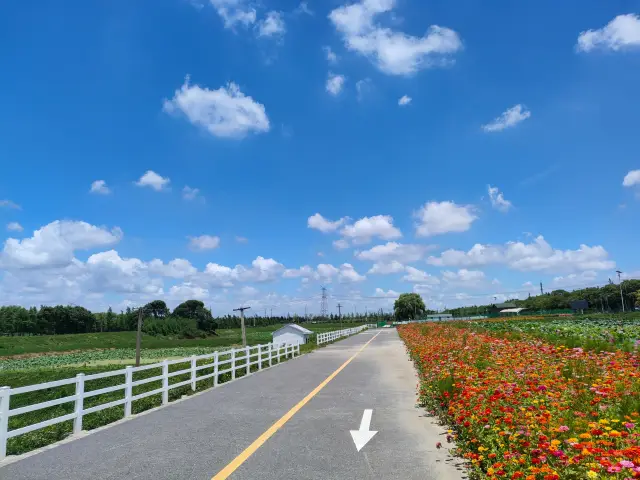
{"x":409,"y":306}
{"x":157,"y":309}
{"x":195,"y":309}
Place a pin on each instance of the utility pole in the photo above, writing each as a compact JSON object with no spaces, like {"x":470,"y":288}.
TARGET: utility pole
{"x":244,"y":333}
{"x":620,"y":283}
{"x":305,"y":312}
{"x":139,"y":336}
{"x":340,"y":315}
{"x":541,"y":291}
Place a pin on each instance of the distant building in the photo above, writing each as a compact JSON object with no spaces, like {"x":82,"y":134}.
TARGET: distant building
{"x":498,"y":307}
{"x":292,"y":334}
{"x":440,"y":316}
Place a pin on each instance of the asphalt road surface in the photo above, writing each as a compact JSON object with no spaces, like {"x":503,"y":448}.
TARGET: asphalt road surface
{"x":237,"y":431}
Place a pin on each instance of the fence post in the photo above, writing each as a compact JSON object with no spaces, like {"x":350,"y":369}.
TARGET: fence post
{"x":165,"y":382}
{"x":128,"y":390}
{"x":77,"y":421}
{"x":233,"y":364}
{"x":270,"y":354}
{"x":5,"y":395}
{"x":193,"y":373}
{"x":298,"y":352}
{"x":248,"y":355}
{"x":259,"y":357}
{"x":215,"y":369}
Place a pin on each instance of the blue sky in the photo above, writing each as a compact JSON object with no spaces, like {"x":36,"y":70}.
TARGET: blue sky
{"x":414,"y":130}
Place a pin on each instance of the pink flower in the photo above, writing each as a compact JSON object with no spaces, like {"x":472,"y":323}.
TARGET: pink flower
{"x":626,"y":464}
{"x":630,"y":425}
{"x":613,"y":469}
{"x":563,"y":428}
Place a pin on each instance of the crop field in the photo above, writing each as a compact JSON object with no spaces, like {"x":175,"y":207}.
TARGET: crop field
{"x":600,"y":334}
{"x":522,"y":407}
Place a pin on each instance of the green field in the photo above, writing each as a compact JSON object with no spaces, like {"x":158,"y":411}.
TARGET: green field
{"x":19,"y":345}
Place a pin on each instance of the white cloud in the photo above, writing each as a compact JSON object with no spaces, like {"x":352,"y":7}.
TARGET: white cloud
{"x":394,"y":53}
{"x":240,"y":239}
{"x":153,"y":180}
{"x":535,"y":256}
{"x":204,"y":242}
{"x":176,"y":268}
{"x":318,"y":222}
{"x":327,"y":271}
{"x":632,"y":178}
{"x":340,"y":244}
{"x":423,"y":289}
{"x":304,"y":8}
{"x":272,"y":25}
{"x":509,"y":118}
{"x":249,"y":291}
{"x":348,"y":274}
{"x":497,"y":199}
{"x":418,"y":276}
{"x":404,"y":253}
{"x":189,"y":193}
{"x":14,"y":227}
{"x":9,"y":204}
{"x":574,"y":281}
{"x":464,"y":277}
{"x":225,"y":112}
{"x":435,"y":218}
{"x":235,"y":12}
{"x":332,"y":58}
{"x":367,"y":228}
{"x":188,"y":291}
{"x":54,"y":244}
{"x":621,"y":32}
{"x":388,"y":294}
{"x":100,"y":187}
{"x":261,"y":270}
{"x":303,"y":272}
{"x":404,"y":100}
{"x":386,"y":268}
{"x":363,"y":87}
{"x":335,"y":83}
{"x":108,"y":272}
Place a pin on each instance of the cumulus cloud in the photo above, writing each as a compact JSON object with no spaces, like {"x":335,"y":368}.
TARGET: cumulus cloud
{"x":100,"y":187}
{"x":386,"y":268}
{"x":392,"y":52}
{"x":332,"y":58}
{"x":318,"y":222}
{"x":190,"y":194}
{"x":327,"y":271}
{"x":367,"y":228}
{"x":154,"y":181}
{"x":335,"y":83}
{"x":509,"y":118}
{"x":464,"y":278}
{"x":418,"y":276}
{"x":435,"y":218}
{"x":272,"y":25}
{"x":225,"y":112}
{"x":497,"y":199}
{"x":404,"y":100}
{"x":535,"y":256}
{"x":575,"y":280}
{"x":348,"y":274}
{"x":14,"y":227}
{"x":340,"y":244}
{"x":621,"y":32}
{"x":54,"y":244}
{"x":261,"y":270}
{"x":388,"y":294}
{"x":176,"y":268}
{"x":303,"y":272}
{"x":204,"y":242}
{"x":401,"y":252}
{"x":631,"y":179}
{"x":235,"y":12}
{"x":9,"y":204}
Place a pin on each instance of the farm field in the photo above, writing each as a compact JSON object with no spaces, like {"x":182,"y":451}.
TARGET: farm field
{"x":526,"y":408}
{"x":598,"y":333}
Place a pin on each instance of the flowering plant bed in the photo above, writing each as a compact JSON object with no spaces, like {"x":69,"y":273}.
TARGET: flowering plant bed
{"x":528,"y":409}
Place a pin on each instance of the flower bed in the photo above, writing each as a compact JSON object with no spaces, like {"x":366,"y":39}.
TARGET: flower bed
{"x":528,"y":409}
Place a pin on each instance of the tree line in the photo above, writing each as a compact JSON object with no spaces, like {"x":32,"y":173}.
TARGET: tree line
{"x":600,"y":299}
{"x":189,"y":319}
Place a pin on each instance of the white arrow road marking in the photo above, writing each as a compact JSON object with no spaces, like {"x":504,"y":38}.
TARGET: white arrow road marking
{"x":361,"y":437}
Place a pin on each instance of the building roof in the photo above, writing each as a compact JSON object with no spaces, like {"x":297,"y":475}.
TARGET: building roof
{"x":296,"y":327}
{"x":512,"y":310}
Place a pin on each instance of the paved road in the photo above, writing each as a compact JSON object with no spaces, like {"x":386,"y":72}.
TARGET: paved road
{"x":199,"y":437}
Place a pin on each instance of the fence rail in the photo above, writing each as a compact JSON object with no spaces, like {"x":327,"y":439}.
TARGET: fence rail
{"x":327,"y":337}
{"x":238,"y":359}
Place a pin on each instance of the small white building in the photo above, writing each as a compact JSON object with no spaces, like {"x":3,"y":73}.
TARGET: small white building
{"x":292,"y":334}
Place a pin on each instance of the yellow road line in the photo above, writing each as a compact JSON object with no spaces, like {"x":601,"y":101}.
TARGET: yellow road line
{"x":251,"y":449}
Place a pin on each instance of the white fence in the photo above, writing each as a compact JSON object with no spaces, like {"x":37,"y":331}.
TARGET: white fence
{"x":336,"y":334}
{"x":227,"y":361}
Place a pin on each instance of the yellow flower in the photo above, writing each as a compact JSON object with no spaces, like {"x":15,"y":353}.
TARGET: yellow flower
{"x":490,"y":471}
{"x":592,"y":474}
{"x":572,"y":440}
{"x":604,"y":421}
{"x":555,"y":442}
{"x":482,"y":449}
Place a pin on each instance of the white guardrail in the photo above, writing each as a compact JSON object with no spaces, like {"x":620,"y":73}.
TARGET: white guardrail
{"x":260,"y":355}
{"x":336,"y":334}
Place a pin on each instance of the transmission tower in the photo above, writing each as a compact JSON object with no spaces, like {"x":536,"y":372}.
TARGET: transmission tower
{"x":324,"y":305}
